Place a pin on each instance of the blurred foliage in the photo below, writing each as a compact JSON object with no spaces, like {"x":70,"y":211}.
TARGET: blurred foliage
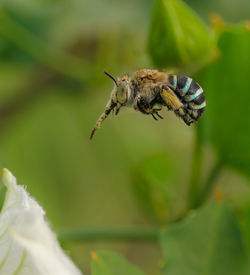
{"x":208,"y":242}
{"x":227,"y":82}
{"x":109,"y":263}
{"x":153,"y":184}
{"x":178,"y":38}
{"x":136,"y":171}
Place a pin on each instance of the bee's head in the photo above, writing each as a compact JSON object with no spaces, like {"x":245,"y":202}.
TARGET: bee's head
{"x":122,"y":91}
{"x":121,"y":96}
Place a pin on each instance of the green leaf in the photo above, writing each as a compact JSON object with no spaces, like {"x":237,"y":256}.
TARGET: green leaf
{"x":178,"y":37}
{"x":110,"y":263}
{"x":209,"y":242}
{"x":244,"y":222}
{"x":151,"y":182}
{"x":226,"y":86}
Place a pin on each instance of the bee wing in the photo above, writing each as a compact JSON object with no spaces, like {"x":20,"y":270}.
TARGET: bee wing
{"x":148,"y":80}
{"x":150,"y":76}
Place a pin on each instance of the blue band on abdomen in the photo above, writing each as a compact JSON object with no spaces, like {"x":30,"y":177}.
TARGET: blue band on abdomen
{"x":187,"y":86}
{"x":197,"y":107}
{"x":192,"y":97}
{"x":175,"y":80}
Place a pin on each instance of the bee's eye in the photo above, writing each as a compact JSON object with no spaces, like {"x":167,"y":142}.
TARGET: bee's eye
{"x":122,"y":93}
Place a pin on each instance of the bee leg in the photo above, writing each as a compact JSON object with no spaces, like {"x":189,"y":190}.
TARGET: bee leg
{"x":154,"y":117}
{"x":159,"y":115}
{"x":109,"y":107}
{"x":183,"y":113}
{"x":170,"y":99}
{"x":118,"y":106}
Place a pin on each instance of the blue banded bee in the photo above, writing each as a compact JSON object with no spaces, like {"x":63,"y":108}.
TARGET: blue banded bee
{"x":149,"y":90}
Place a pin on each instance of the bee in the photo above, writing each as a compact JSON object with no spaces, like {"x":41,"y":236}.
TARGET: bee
{"x":150,"y":90}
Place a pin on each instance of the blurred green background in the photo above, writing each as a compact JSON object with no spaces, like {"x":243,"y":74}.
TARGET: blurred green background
{"x":52,"y":91}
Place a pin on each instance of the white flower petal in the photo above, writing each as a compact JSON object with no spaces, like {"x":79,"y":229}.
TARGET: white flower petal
{"x":27,"y":244}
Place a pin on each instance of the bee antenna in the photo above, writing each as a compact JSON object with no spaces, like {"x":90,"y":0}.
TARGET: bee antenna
{"x":110,"y":76}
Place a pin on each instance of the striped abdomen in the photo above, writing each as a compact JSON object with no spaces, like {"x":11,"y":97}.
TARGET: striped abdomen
{"x":191,"y":95}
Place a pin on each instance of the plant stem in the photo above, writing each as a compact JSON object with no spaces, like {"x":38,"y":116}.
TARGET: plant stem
{"x":196,"y":169}
{"x":120,"y":234}
{"x":209,"y":184}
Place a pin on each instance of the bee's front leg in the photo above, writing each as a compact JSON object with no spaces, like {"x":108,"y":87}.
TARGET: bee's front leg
{"x":143,"y":106}
{"x":117,"y":108}
{"x":148,"y":108}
